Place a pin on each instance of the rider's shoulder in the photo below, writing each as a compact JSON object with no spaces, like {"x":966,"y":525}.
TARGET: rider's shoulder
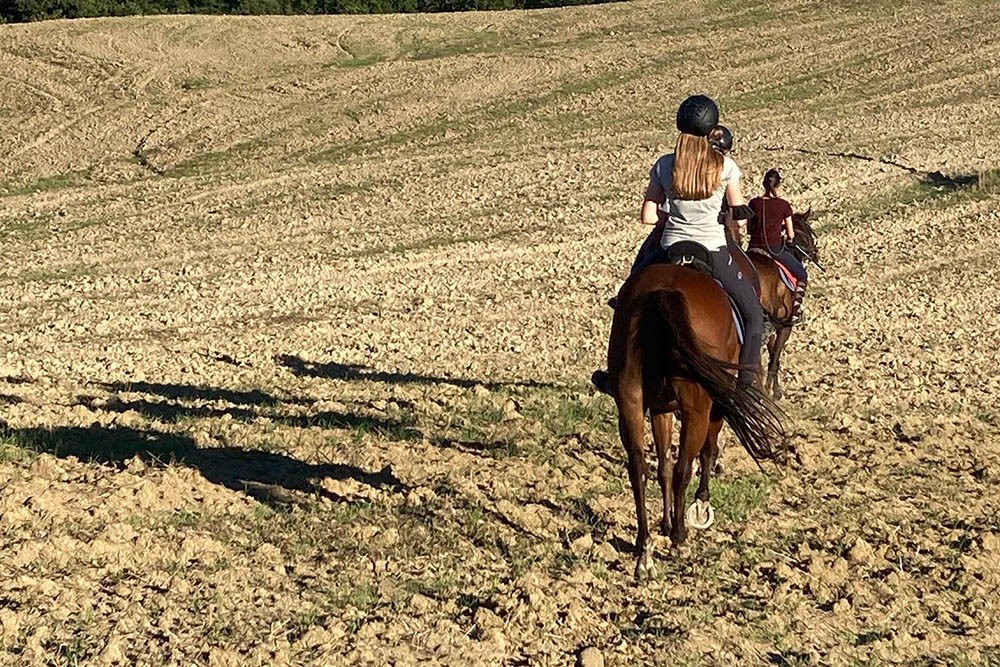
{"x":730,"y":168}
{"x":664,"y":164}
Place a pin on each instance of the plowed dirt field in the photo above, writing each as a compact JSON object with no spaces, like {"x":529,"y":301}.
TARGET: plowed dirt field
{"x":297,"y":317}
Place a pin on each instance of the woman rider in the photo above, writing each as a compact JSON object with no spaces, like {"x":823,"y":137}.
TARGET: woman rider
{"x":772,"y":216}
{"x":721,"y":139}
{"x":685,"y":194}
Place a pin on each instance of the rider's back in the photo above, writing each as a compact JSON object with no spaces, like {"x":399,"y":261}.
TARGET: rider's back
{"x":765,"y":229}
{"x":693,"y":220}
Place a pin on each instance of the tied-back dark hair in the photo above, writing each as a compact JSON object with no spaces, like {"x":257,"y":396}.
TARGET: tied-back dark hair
{"x":772,"y":179}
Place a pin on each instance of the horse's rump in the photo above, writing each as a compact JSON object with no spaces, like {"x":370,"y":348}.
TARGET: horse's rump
{"x":675,"y":324}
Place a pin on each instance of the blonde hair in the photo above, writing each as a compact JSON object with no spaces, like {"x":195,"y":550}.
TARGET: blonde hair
{"x":697,"y":168}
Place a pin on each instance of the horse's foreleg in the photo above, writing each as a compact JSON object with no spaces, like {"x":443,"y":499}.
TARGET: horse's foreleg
{"x":631,"y":429}
{"x":774,"y":364}
{"x":663,"y":426}
{"x":695,"y":406}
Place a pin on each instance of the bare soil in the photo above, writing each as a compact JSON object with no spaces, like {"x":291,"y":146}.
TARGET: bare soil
{"x":297,"y":316}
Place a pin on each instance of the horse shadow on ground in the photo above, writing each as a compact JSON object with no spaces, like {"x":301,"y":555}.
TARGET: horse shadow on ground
{"x":269,"y":477}
{"x":243,"y":406}
{"x":332,"y":370}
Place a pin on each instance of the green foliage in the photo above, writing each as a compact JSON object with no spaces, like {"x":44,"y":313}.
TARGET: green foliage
{"x":16,"y":11}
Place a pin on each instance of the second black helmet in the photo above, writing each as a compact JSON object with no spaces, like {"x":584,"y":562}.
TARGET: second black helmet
{"x":697,"y":115}
{"x":721,"y":139}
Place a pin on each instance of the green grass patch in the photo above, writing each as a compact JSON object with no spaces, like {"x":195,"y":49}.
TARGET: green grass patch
{"x":441,"y":241}
{"x":563,"y":414}
{"x":15,"y":450}
{"x":63,"y":181}
{"x":805,"y":87}
{"x":732,"y":13}
{"x":360,"y":60}
{"x":197,"y":83}
{"x":404,"y":428}
{"x":205,"y":163}
{"x":96,"y":444}
{"x":199,"y":165}
{"x":479,"y":423}
{"x":43,"y":275}
{"x":488,"y":118}
{"x":460,"y":43}
{"x":988,"y":181}
{"x":735,"y":498}
{"x":439,"y":585}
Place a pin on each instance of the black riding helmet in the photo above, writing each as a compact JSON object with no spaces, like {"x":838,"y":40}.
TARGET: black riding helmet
{"x":721,"y":138}
{"x":697,"y":115}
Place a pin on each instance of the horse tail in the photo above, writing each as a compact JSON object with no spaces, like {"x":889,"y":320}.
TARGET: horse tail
{"x":670,"y":350}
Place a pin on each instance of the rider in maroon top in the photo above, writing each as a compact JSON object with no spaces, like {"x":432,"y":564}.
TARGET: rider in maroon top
{"x":771,"y":230}
{"x":767,"y":226}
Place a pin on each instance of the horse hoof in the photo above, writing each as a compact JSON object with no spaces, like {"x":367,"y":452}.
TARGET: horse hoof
{"x":700,"y":514}
{"x":719,"y":468}
{"x":680,"y":551}
{"x":644,"y":568}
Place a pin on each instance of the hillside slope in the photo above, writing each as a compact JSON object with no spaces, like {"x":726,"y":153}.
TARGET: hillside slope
{"x":298,"y":315}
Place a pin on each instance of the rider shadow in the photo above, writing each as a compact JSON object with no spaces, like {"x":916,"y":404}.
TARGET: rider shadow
{"x":266,"y":476}
{"x":332,"y":370}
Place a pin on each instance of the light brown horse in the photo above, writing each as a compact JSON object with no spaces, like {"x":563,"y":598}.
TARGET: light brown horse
{"x":674,"y":347}
{"x":777,"y":300}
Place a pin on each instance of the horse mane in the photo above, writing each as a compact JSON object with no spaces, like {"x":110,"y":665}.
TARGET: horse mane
{"x":800,"y":221}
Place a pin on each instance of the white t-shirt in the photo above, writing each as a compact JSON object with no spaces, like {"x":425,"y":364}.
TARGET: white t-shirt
{"x":693,"y":220}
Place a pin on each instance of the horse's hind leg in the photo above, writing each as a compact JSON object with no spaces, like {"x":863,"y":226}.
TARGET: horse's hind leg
{"x":631,"y":428}
{"x":695,"y":407}
{"x":700,"y":514}
{"x":663,"y":426}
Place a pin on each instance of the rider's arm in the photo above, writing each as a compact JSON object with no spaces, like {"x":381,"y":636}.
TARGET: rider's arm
{"x":789,"y":229}
{"x":734,"y":193}
{"x":655,"y":196}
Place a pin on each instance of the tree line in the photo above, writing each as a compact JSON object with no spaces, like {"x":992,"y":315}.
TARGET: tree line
{"x":16,"y":11}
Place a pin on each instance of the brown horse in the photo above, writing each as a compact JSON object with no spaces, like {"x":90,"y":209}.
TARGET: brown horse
{"x":777,"y":300}
{"x":674,"y":347}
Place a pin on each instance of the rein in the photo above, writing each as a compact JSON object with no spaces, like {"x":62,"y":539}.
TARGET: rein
{"x":806,"y":255}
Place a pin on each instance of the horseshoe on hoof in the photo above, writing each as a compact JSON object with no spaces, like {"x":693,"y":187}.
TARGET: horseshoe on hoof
{"x":700,"y":514}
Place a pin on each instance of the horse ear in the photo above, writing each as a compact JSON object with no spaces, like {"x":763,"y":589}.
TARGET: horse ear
{"x":809,"y":212}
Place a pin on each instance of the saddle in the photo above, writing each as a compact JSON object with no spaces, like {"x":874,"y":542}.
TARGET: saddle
{"x":690,"y":254}
{"x":787,"y":277}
